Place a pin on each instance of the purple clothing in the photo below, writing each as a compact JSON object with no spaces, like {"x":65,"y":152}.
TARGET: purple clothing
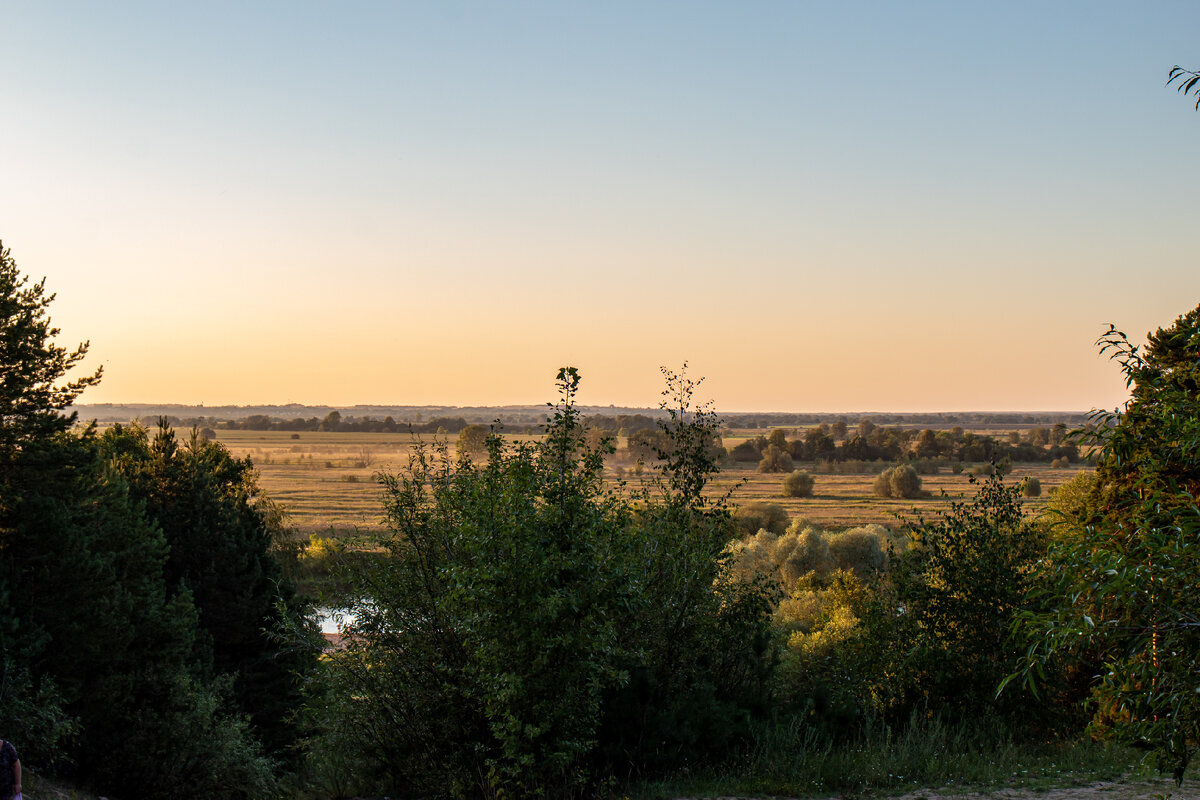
{"x":8,"y":758}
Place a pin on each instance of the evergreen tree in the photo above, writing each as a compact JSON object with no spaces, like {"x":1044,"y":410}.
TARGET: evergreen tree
{"x":97,"y":621}
{"x":220,"y":532}
{"x":32,"y":398}
{"x":97,"y":649}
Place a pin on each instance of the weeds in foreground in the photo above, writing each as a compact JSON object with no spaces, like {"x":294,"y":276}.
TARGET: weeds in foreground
{"x":792,"y":759}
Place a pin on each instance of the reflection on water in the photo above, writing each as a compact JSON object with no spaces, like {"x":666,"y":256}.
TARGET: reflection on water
{"x":333,"y":620}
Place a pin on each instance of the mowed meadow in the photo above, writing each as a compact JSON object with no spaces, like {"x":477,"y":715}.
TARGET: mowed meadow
{"x":327,"y":482}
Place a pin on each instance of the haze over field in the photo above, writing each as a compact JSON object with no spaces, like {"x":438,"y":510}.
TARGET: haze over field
{"x":822,"y":206}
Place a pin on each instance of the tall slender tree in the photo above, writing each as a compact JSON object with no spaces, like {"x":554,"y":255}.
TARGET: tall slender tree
{"x":32,"y":366}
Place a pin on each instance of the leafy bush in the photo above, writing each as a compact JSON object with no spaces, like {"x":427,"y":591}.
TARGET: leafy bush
{"x":745,"y":451}
{"x":861,"y":550}
{"x":533,"y":632}
{"x":1032,"y":487}
{"x":938,"y":628}
{"x":102,"y":660}
{"x":1124,"y":564}
{"x":223,"y":540}
{"x":798,"y":484}
{"x":901,"y":482}
{"x":472,"y":441}
{"x":801,"y":553}
{"x":805,"y":550}
{"x":753,"y":517}
{"x":775,"y":459}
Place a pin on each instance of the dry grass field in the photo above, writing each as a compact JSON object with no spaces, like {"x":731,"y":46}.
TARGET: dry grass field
{"x":328,"y":480}
{"x":846,"y":500}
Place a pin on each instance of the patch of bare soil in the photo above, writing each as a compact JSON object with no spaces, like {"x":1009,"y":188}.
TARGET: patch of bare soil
{"x":1103,"y":790}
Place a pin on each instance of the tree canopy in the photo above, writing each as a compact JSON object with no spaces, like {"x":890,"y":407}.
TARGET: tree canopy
{"x":113,"y":662}
{"x":1124,"y":569}
{"x":32,"y":364}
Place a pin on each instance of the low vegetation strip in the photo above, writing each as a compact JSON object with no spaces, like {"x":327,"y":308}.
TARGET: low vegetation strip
{"x":1133,"y":789}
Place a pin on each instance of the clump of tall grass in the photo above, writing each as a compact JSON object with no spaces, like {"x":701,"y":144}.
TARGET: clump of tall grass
{"x":790,"y":757}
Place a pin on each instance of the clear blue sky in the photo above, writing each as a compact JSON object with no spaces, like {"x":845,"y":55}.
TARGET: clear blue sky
{"x":822,"y":206}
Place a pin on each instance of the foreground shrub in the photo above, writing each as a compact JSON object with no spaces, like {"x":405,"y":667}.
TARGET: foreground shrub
{"x":798,"y":484}
{"x":939,"y":625}
{"x":802,"y":756}
{"x":1124,"y":564}
{"x":533,"y":632}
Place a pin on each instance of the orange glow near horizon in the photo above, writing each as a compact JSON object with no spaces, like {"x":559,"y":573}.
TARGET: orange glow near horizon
{"x":417,"y":206}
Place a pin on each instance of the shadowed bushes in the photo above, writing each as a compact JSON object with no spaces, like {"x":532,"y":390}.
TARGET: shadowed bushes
{"x":798,"y":484}
{"x":900,"y":482}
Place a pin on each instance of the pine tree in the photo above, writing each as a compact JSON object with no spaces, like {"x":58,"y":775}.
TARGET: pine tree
{"x":32,"y":398}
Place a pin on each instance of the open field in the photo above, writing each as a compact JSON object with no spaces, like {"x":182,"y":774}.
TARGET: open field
{"x":844,"y":500}
{"x":328,"y":480}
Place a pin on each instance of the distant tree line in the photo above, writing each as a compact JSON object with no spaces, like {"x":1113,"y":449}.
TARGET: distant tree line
{"x":336,"y":421}
{"x":938,"y":419}
{"x":871,"y":442}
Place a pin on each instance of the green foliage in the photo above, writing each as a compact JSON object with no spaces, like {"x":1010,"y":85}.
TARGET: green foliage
{"x":798,"y":484}
{"x":472,"y":441}
{"x":534,"y":632}
{"x":745,"y":451}
{"x":1068,"y":505}
{"x":1122,"y":580}
{"x":775,"y":459}
{"x":795,"y":756}
{"x":98,"y":648}
{"x":901,"y":482}
{"x":1031,"y":487}
{"x":99,"y":624}
{"x":221,"y":534}
{"x":805,"y":548}
{"x":644,"y":444}
{"x":861,"y":550}
{"x":756,"y":516}
{"x":1187,"y":82}
{"x":939,"y":624}
{"x":31,"y":396}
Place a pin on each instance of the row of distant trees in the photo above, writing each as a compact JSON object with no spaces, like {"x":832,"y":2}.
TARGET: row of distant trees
{"x":828,"y":441}
{"x":869,"y":442}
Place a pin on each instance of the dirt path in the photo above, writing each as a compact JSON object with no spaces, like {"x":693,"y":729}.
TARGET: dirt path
{"x":1105,"y":790}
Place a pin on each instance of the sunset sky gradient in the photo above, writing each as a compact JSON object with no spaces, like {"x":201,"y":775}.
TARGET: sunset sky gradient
{"x":822,"y":206}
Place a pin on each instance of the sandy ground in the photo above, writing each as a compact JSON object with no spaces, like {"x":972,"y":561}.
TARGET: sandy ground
{"x":1133,"y":790}
{"x":1095,"y":791}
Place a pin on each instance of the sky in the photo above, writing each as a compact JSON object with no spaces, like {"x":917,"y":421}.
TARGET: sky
{"x":819,"y":206}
